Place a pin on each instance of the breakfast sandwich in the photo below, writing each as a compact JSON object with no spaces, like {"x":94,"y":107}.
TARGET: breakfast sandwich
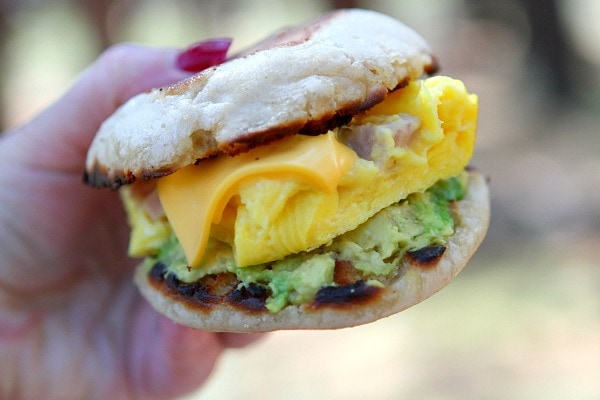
{"x":318,"y":180}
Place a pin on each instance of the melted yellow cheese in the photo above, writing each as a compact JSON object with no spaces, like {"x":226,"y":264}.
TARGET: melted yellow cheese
{"x":195,"y":197}
{"x":300,"y":193}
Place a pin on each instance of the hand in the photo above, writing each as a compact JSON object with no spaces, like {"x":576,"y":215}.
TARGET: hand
{"x":72,"y":325}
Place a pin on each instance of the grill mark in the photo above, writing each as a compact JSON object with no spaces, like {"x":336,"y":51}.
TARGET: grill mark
{"x":346,"y":296}
{"x":349,"y":289}
{"x":426,"y":257}
{"x":210,"y":290}
{"x":250,"y":297}
{"x":156,"y":274}
{"x":318,"y":127}
{"x":432,"y":68}
{"x":191,"y":292}
{"x":100,"y":176}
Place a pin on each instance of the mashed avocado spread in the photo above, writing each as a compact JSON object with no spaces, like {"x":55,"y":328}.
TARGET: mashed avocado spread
{"x":374,"y":248}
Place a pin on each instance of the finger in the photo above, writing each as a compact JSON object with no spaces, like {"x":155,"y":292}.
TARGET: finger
{"x":238,"y":340}
{"x":58,"y":138}
{"x":46,"y":157}
{"x":168,"y":359}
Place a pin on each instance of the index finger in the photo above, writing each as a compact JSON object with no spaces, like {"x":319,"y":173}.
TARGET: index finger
{"x":58,"y":138}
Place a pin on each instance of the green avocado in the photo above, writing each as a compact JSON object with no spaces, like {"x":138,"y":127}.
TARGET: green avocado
{"x":374,"y":248}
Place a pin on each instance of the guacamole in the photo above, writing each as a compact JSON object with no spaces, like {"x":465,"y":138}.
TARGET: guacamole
{"x":374,"y":248}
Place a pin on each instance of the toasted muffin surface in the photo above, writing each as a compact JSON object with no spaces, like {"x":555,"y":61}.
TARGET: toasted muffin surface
{"x":303,"y":80}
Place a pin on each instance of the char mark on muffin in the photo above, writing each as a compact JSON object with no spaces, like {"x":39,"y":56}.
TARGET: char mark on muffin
{"x":346,"y":296}
{"x":426,"y":257}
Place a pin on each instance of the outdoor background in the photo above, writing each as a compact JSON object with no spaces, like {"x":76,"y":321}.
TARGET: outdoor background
{"x":522,"y":321}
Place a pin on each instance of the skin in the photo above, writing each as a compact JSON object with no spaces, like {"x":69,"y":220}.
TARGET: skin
{"x":72,"y":325}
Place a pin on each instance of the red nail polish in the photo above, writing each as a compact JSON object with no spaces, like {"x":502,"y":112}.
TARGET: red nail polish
{"x":204,"y":54}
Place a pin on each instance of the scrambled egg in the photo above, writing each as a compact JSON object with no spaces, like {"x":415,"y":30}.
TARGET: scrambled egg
{"x":275,"y":219}
{"x":420,"y":134}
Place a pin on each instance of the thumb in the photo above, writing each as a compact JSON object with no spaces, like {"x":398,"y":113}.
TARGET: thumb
{"x":59,"y":137}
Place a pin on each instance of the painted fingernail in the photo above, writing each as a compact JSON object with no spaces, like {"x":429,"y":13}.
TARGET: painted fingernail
{"x":204,"y":54}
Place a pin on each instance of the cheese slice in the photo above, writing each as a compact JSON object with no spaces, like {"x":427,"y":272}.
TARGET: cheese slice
{"x":301,"y":192}
{"x":201,"y":192}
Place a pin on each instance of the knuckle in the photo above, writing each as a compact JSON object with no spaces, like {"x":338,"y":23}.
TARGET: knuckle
{"x":116,"y":55}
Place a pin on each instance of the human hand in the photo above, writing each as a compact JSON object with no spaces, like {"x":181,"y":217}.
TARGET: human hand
{"x":72,"y":325}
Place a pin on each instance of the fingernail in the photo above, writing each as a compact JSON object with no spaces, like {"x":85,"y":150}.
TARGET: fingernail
{"x":204,"y":54}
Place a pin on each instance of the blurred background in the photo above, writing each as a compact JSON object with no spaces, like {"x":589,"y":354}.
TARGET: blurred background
{"x":522,"y":321}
